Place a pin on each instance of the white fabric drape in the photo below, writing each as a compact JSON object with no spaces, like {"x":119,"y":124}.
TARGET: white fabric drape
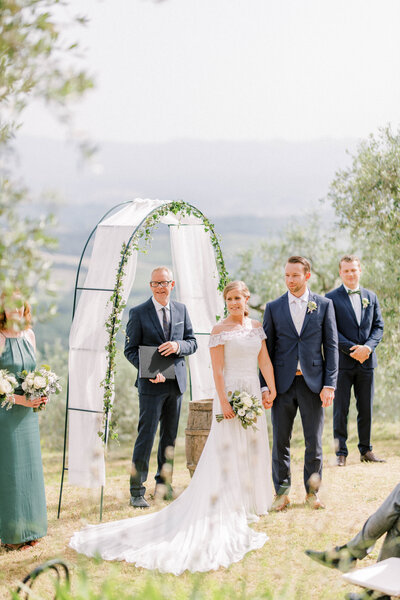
{"x":196,"y":274}
{"x":197,"y":282}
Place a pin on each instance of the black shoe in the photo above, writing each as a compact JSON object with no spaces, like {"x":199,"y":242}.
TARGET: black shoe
{"x":337,"y":558}
{"x":139,"y":502}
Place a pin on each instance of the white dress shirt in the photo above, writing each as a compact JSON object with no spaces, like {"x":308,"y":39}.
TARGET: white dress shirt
{"x":355,"y":300}
{"x":159,"y":310}
{"x":160,"y":314}
{"x":298,"y":309}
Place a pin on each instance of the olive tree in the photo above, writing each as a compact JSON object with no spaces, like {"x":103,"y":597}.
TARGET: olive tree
{"x":37,"y":62}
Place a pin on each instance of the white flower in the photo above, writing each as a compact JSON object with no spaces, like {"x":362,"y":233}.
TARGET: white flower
{"x":24,"y":385}
{"x":241,"y":412}
{"x":251,"y":416}
{"x":5,"y":387}
{"x":39,"y":382}
{"x":12,"y":380}
{"x":311,"y":306}
{"x":365,"y":302}
{"x":247,"y":402}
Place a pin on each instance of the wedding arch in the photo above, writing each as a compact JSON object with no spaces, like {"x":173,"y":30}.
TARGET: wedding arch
{"x":200,"y":275}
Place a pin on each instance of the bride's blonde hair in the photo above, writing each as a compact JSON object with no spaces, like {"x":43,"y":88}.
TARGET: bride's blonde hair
{"x":243,"y":289}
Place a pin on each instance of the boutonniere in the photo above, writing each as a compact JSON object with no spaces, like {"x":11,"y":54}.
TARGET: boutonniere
{"x":365,"y":302}
{"x":311,"y":306}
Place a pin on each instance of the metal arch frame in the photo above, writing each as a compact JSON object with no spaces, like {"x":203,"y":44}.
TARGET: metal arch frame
{"x":57,"y":565}
{"x":123,"y":257}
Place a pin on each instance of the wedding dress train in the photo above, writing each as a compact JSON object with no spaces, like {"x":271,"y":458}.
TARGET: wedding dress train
{"x":206,"y":527}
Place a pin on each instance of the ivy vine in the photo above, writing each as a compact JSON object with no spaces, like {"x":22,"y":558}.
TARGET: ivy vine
{"x":139,"y":242}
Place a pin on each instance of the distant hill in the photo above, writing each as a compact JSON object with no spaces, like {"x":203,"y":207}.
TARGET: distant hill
{"x":248,"y":189}
{"x":265,"y":179}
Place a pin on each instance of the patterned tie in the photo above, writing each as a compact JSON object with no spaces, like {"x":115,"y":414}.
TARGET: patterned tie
{"x":350,"y":292}
{"x":165,"y":324}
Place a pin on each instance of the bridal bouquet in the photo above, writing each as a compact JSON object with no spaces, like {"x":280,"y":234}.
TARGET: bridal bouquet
{"x":8,"y":383}
{"x":246,"y":407}
{"x":41,"y":382}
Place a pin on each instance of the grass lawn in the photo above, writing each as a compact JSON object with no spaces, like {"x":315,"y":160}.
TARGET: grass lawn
{"x":279,"y":570}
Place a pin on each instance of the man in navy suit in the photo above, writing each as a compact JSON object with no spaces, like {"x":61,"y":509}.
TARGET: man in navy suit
{"x":303,"y":346}
{"x":360,"y":329}
{"x":164,"y":323}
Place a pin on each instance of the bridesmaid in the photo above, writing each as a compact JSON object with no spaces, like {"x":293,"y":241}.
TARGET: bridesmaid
{"x":23,"y":515}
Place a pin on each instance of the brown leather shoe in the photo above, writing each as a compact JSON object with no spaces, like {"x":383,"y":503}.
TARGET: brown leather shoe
{"x":313,"y":501}
{"x":341,"y":460}
{"x":281,"y":501}
{"x":369,"y":456}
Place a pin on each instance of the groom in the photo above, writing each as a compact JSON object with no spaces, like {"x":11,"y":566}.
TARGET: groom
{"x":164,"y":323}
{"x":303,"y":345}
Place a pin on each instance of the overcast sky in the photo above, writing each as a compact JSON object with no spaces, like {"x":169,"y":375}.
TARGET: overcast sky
{"x":236,"y":70}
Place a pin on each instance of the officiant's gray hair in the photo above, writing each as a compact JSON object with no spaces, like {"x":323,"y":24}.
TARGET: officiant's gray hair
{"x":164,"y":268}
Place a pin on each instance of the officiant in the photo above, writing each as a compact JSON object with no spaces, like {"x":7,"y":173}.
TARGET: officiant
{"x":163,"y":323}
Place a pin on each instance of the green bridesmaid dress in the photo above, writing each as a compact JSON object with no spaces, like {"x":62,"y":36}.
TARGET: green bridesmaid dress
{"x":23,"y":515}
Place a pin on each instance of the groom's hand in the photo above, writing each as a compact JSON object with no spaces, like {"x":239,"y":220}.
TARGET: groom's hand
{"x":327,"y":395}
{"x":267,"y":399}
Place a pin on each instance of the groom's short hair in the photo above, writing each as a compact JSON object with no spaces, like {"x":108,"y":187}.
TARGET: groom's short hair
{"x":303,"y":261}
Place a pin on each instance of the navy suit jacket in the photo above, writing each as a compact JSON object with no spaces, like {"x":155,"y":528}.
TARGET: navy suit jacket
{"x":144,"y":329}
{"x":350,"y":333}
{"x":316,"y":347}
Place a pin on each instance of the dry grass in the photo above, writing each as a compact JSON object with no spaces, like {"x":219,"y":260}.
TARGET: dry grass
{"x":281,"y":567}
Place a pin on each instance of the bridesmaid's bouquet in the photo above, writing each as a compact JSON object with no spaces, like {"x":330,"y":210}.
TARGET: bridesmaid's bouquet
{"x":41,"y":382}
{"x":246,"y":407}
{"x":8,"y":383}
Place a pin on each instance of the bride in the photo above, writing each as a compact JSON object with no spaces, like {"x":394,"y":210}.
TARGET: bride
{"x":206,"y":527}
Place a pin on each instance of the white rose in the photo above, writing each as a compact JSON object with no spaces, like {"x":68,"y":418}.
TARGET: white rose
{"x":241,"y":412}
{"x":12,"y":380}
{"x":247,"y":402}
{"x":251,"y":416}
{"x":24,"y":386}
{"x":39,"y":382}
{"x":5,"y":387}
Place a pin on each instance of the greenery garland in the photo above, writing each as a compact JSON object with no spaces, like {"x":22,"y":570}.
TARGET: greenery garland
{"x":139,"y":242}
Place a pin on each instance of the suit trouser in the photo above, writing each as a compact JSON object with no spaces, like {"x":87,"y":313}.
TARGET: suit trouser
{"x":385,"y":520}
{"x":363,"y":382}
{"x":284,"y":411}
{"x":154,"y":409}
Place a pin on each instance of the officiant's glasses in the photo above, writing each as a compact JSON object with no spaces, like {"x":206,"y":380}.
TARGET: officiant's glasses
{"x":162,"y":284}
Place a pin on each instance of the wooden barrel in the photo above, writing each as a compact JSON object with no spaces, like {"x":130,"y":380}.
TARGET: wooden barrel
{"x":196,"y":433}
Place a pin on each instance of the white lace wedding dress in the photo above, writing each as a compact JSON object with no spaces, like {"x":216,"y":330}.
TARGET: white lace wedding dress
{"x":206,"y":527}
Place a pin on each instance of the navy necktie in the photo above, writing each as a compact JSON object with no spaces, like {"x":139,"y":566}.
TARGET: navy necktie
{"x":350,"y":292}
{"x":165,"y":324}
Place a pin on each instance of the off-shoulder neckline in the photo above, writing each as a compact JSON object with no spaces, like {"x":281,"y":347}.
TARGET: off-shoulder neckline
{"x":248,"y":321}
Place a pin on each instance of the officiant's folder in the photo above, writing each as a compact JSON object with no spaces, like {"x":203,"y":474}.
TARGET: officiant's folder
{"x":152,"y":362}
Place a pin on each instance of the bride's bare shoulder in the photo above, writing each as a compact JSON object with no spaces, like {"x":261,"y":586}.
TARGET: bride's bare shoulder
{"x":255,"y":324}
{"x":220,"y":327}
